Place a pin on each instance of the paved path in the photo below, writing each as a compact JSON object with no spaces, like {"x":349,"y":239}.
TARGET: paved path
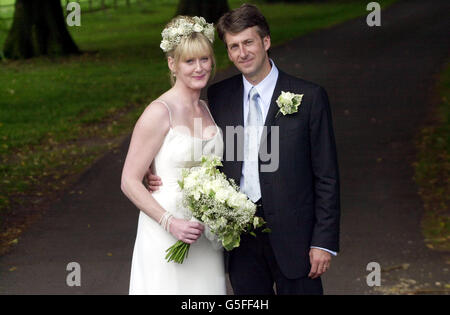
{"x":379,"y":82}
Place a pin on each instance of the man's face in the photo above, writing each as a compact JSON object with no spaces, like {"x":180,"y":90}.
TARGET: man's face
{"x":248,"y":51}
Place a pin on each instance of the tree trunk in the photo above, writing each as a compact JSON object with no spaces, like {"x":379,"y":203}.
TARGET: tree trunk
{"x":38,"y":28}
{"x":210,"y":10}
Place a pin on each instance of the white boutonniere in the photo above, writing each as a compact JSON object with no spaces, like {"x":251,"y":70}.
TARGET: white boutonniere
{"x":288,"y":103}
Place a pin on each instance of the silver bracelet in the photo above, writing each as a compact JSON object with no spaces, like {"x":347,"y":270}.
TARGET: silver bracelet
{"x":169,"y":221}
{"x":165,"y":221}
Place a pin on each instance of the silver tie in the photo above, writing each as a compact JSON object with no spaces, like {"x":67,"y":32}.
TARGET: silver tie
{"x":251,"y":148}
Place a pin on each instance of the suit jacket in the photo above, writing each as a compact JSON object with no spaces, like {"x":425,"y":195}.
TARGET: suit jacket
{"x":301,"y":196}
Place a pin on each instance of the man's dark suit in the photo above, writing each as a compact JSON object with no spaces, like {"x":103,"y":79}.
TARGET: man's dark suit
{"x":301,"y":198}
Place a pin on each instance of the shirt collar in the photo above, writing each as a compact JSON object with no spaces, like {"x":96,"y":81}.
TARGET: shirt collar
{"x":265,"y":88}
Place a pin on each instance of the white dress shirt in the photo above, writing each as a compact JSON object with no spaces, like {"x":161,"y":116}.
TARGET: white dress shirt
{"x":265,"y":90}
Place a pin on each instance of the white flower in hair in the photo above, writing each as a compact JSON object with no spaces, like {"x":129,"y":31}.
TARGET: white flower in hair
{"x":165,"y":45}
{"x":197,"y":28}
{"x":199,"y":19}
{"x":209,"y":33}
{"x":172,"y":35}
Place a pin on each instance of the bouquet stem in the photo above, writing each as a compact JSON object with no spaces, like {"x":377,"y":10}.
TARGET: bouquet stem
{"x":177,"y":252}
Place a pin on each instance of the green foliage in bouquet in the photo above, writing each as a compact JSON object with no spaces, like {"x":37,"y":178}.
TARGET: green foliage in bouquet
{"x":217,"y":202}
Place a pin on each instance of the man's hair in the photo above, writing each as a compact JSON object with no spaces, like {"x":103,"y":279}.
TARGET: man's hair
{"x":237,"y":20}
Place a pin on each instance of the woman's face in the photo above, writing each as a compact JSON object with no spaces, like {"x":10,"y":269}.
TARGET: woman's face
{"x":193,"y":72}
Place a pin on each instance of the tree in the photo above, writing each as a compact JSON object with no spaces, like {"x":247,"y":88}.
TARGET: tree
{"x":38,"y":28}
{"x":210,"y":10}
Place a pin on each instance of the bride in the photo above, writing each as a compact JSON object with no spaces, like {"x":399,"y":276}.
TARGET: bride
{"x":171,"y":134}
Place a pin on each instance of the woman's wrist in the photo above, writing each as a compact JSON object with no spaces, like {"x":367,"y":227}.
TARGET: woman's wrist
{"x":166,"y":220}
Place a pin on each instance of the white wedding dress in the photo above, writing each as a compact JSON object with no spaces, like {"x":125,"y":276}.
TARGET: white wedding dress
{"x":202,"y":272}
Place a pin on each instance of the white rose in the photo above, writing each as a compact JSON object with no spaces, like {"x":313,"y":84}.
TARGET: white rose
{"x":198,"y":28}
{"x":199,"y":19}
{"x":222,"y":195}
{"x":216,"y":185}
{"x":234,"y":201}
{"x":165,"y":44}
{"x":189,"y":182}
{"x":209,"y":33}
{"x":286,"y":97}
{"x":207,"y":187}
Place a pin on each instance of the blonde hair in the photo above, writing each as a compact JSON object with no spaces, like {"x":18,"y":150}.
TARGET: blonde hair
{"x":190,"y":46}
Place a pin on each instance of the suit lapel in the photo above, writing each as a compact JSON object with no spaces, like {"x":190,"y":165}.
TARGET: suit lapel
{"x":237,"y":112}
{"x":281,"y":85}
{"x":235,"y":118}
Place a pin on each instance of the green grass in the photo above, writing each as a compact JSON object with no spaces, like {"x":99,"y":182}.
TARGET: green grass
{"x":432,"y":171}
{"x":57,"y":115}
{"x":7,"y":6}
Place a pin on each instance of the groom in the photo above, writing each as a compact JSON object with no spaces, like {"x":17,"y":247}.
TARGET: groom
{"x":299,"y":199}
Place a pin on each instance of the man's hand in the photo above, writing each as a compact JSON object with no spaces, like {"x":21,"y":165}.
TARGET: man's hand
{"x":320,"y":262}
{"x":152,"y":181}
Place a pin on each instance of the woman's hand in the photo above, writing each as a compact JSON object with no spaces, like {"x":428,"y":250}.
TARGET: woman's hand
{"x":186,"y":231}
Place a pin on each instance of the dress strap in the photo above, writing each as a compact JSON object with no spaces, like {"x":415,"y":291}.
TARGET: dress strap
{"x":207,"y":108}
{"x":168,"y":109}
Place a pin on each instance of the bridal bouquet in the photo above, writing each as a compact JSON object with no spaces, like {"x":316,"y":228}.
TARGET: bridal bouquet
{"x":218,"y":203}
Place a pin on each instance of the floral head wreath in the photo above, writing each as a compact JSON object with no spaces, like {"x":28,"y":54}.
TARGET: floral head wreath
{"x":172,"y":34}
